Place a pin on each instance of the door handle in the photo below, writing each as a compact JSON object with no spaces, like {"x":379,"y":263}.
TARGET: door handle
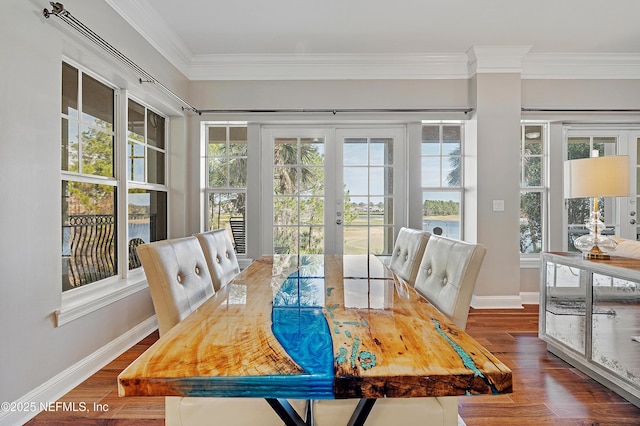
{"x":338,"y":221}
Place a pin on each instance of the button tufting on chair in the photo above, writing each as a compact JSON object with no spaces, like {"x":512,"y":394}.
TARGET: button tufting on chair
{"x":223,"y":268}
{"x":407,"y":253}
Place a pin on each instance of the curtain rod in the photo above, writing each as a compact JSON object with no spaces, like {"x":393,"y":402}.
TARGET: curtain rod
{"x":57,"y":9}
{"x":332,"y":111}
{"x":577,"y":110}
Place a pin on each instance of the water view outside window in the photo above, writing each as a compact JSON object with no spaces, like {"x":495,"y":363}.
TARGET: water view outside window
{"x":532,"y":187}
{"x":147,"y":220}
{"x":146,"y":176}
{"x":89,"y":187}
{"x":227,"y":181}
{"x":442,"y":179}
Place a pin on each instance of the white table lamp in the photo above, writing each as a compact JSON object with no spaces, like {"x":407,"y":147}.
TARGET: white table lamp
{"x":596,"y":177}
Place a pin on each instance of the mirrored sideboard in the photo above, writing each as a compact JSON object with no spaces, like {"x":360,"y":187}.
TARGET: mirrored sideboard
{"x":590,"y":317}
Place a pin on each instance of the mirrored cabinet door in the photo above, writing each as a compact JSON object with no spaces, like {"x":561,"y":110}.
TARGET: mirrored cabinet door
{"x":616,"y":326}
{"x":565,"y":307}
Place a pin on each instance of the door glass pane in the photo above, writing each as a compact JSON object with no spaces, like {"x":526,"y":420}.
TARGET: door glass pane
{"x":356,"y":240}
{"x":285,"y":180}
{"x":368,"y":190}
{"x":285,"y":240}
{"x":287,"y":208}
{"x":381,"y":181}
{"x":356,"y":152}
{"x":356,"y":180}
{"x":298,"y":196}
{"x":285,"y":151}
{"x":381,"y":152}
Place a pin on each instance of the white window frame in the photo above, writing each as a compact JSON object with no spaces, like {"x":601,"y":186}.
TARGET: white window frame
{"x":532,"y":260}
{"x":460,"y":189}
{"x":207,"y":190}
{"x":78,"y":302}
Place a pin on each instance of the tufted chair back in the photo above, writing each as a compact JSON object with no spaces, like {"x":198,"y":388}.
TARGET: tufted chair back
{"x":447,"y":276}
{"x":221,"y":258}
{"x":407,"y":253}
{"x":178,"y":278}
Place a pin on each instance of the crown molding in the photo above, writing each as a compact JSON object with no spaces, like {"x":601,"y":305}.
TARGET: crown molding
{"x":581,"y":66}
{"x":328,"y":67}
{"x":496,"y":59}
{"x":478,"y":59}
{"x":153,"y":27}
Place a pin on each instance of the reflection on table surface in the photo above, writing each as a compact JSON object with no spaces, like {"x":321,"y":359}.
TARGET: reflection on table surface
{"x":316,"y":327}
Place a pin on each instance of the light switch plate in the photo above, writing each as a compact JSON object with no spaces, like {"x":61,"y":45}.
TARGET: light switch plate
{"x":498,"y":205}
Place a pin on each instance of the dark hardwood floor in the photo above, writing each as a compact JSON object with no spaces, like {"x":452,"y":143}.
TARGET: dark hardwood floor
{"x":547,"y":391}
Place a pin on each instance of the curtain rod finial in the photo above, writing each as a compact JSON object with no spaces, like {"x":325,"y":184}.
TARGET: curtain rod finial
{"x":56,"y":9}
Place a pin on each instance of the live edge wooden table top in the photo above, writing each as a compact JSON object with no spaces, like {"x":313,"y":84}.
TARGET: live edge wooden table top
{"x":316,"y":327}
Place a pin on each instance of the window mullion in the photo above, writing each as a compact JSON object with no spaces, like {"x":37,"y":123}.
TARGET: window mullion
{"x":120,"y":170}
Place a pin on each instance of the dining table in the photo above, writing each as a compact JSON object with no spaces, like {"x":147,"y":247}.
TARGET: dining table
{"x":316,"y":327}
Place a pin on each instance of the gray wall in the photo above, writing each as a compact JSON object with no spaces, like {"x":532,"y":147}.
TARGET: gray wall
{"x":33,"y":349}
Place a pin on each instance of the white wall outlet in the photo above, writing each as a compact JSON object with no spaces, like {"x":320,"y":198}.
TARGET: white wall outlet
{"x":498,"y":205}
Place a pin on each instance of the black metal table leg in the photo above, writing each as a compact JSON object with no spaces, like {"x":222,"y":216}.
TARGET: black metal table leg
{"x":310,"y":414}
{"x":361,"y":412}
{"x":285,"y":411}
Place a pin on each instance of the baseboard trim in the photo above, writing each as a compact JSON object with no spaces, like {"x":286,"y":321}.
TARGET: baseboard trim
{"x":59,"y":385}
{"x":496,"y":302}
{"x":506,"y":302}
{"x":530,"y":297}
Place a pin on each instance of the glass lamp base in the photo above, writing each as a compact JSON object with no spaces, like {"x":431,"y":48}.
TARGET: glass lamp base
{"x":594,"y":246}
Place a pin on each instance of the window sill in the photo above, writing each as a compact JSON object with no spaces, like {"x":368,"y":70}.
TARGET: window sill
{"x":82,"y":301}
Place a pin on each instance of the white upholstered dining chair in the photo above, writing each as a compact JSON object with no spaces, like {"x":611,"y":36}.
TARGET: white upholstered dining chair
{"x":178,"y":278}
{"x":407,"y":253}
{"x":179,"y":282}
{"x":220,"y":256}
{"x":446,"y":277}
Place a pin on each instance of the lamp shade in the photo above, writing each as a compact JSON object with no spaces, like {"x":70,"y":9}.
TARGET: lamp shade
{"x":597,"y":177}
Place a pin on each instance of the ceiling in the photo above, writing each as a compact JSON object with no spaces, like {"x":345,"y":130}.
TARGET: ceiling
{"x":198,"y":33}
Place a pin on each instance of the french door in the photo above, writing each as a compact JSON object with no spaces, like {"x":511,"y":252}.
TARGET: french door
{"x":332,"y":190}
{"x":619,"y":214}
